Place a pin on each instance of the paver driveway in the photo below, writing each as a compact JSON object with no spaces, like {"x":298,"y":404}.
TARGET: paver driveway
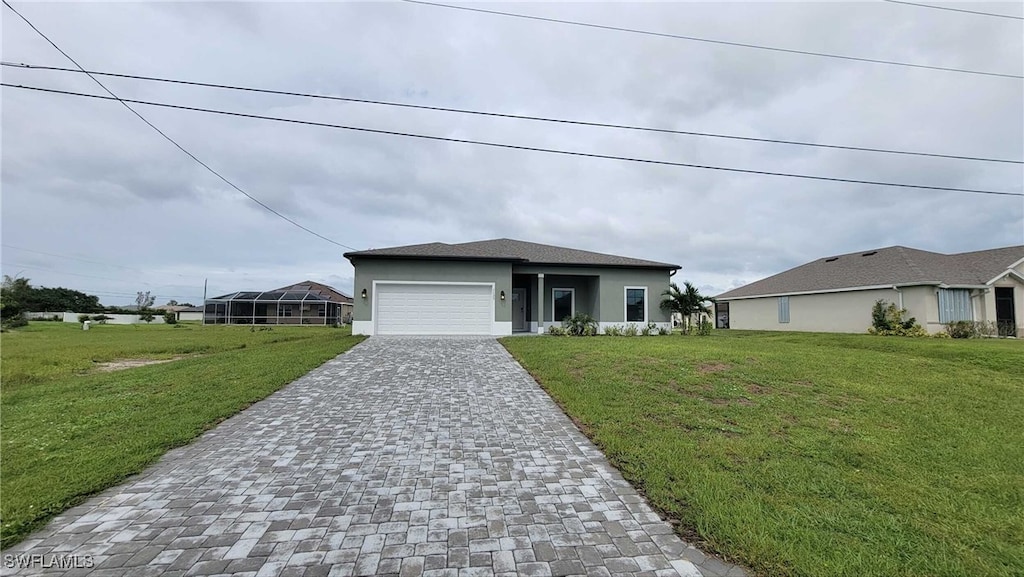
{"x":433,"y":456}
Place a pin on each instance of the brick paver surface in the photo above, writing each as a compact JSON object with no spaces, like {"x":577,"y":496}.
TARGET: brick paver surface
{"x":404,"y":456}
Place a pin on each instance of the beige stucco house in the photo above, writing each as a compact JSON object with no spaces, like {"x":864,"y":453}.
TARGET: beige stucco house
{"x":836,"y":293}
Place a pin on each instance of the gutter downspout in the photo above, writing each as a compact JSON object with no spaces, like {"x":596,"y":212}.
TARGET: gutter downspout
{"x":899,"y":296}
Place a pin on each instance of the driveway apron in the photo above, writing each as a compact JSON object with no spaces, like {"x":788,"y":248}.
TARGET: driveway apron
{"x":405,"y":456}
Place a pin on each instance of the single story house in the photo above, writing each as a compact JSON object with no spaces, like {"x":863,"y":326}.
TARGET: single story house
{"x":500,"y":287}
{"x":189,"y":313}
{"x":836,"y":293}
{"x":332,"y":294}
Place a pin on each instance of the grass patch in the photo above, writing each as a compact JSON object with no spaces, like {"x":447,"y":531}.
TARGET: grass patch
{"x":809,"y":454}
{"x":69,"y":430}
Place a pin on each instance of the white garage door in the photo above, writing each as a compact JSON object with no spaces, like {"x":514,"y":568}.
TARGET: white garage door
{"x":434,"y":309}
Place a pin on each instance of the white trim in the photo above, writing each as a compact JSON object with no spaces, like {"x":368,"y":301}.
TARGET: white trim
{"x":501,"y":328}
{"x":533,"y":326}
{"x":362,"y":328}
{"x":625,"y":304}
{"x":839,"y":290}
{"x":373,"y":305}
{"x":1006,"y":273}
{"x":572,"y":306}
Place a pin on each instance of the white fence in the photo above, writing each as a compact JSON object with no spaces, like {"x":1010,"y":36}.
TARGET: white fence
{"x":113,"y":319}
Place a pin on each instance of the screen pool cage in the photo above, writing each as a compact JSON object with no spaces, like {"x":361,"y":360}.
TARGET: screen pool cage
{"x":271,"y":308}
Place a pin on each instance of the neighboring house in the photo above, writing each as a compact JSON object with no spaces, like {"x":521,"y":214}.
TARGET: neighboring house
{"x":299,"y":307}
{"x":334,"y":295}
{"x":836,"y":293}
{"x":502,"y":286}
{"x":189,"y":313}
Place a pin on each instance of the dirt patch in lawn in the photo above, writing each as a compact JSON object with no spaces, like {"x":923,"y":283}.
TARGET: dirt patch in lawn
{"x":705,"y":368}
{"x":122,"y":364}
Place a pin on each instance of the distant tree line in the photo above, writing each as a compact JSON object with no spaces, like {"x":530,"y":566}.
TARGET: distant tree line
{"x":18,"y":296}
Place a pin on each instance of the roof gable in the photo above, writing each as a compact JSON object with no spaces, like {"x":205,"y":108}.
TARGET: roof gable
{"x":895,"y":265}
{"x":505,"y":249}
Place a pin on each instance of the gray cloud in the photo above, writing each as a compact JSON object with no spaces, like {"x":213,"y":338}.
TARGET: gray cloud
{"x":86,"y":179}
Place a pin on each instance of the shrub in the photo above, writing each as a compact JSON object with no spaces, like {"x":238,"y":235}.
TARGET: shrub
{"x":646,"y":331}
{"x":630,"y":331}
{"x":664,"y":331}
{"x":102,"y":319}
{"x":704,"y":328}
{"x":580,"y":325}
{"x":970,"y":329}
{"x":147,"y":317}
{"x":613,"y":330}
{"x":83,"y":318}
{"x":556,"y":331}
{"x":170,"y":318}
{"x":888,"y":320}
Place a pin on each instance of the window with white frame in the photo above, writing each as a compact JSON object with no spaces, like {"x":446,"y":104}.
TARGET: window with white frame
{"x":783,"y":309}
{"x":636,"y":304}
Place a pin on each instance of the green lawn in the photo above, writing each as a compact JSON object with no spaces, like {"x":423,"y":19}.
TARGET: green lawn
{"x":811,"y":454}
{"x":68,"y":431}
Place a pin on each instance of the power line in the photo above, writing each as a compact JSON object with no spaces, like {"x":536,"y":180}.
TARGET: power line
{"x":171,"y":140}
{"x":71,"y":273}
{"x":64,"y":256}
{"x":513,"y":116}
{"x":954,"y":9}
{"x":518,"y":147}
{"x":709,"y":40}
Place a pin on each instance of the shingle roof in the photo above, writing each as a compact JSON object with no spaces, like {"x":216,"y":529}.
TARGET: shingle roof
{"x":332,"y":294}
{"x":895,"y":265}
{"x":505,"y":249}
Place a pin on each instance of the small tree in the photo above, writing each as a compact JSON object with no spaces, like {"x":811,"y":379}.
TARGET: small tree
{"x":13,"y":293}
{"x":686,"y":301}
{"x":147,"y":317}
{"x":170,"y":318}
{"x":887,"y":319}
{"x":144,"y":300}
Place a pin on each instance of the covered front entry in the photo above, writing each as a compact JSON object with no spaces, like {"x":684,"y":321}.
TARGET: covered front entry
{"x":1005,"y":312}
{"x":426,"y":308}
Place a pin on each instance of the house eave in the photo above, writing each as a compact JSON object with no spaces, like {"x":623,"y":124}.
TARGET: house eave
{"x":823,"y":291}
{"x":512,"y":260}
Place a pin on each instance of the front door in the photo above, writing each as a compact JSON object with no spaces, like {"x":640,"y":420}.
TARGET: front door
{"x":518,"y":309}
{"x":1005,"y":313}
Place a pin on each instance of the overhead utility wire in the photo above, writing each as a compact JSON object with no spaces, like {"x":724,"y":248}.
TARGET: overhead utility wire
{"x":709,"y":40}
{"x":171,"y":140}
{"x":955,"y":9}
{"x":33,"y":267}
{"x":507,"y":115}
{"x":517,"y":147}
{"x":83,"y":259}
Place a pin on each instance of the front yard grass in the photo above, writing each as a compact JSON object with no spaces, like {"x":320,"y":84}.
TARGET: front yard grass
{"x":810,"y":454}
{"x":68,"y":431}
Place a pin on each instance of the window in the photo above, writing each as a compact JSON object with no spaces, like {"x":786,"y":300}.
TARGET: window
{"x":955,"y":305}
{"x":284,"y":310}
{"x":636,"y":304}
{"x":783,"y":309}
{"x":563,"y":303}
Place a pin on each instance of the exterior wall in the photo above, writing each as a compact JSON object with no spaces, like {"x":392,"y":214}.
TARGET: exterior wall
{"x":190,"y":316}
{"x":845,"y":312}
{"x":369,"y":270}
{"x":603,"y":291}
{"x":989,"y":300}
{"x":116,"y":319}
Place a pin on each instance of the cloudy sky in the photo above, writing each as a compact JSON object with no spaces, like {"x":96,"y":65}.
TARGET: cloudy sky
{"x":84,"y":180}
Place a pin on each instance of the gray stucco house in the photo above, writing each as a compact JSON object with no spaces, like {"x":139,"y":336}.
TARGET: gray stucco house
{"x":500,"y":287}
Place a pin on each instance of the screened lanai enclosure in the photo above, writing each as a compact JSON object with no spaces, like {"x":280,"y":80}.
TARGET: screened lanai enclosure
{"x":272,"y":308}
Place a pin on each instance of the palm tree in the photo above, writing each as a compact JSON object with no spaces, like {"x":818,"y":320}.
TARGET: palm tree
{"x":686,"y":301}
